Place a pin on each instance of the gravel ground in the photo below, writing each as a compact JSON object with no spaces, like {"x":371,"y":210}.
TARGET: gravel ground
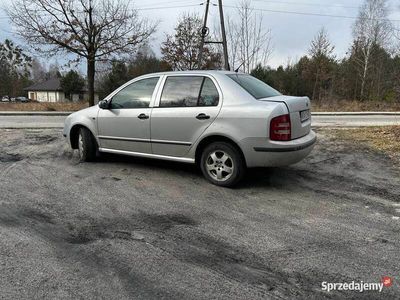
{"x":127,"y":228}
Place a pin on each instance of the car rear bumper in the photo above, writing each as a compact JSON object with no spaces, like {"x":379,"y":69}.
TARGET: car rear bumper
{"x":275,"y":154}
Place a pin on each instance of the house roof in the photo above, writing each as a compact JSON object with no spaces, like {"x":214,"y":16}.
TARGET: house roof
{"x":49,"y":85}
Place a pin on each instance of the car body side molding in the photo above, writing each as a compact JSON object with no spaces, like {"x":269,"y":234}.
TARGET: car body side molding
{"x":149,"y":155}
{"x":144,"y":140}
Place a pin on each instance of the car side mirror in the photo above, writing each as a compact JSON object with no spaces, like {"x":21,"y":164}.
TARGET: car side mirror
{"x":104,"y":104}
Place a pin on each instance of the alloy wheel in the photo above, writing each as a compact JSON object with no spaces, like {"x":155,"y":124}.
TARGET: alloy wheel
{"x":219,"y":165}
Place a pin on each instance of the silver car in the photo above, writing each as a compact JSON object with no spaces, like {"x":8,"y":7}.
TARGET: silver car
{"x":223,"y":121}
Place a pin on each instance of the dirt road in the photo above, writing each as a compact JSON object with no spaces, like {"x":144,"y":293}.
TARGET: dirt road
{"x":126,"y":228}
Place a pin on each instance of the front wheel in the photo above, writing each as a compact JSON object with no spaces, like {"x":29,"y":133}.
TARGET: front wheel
{"x":222,"y":164}
{"x":87,"y":145}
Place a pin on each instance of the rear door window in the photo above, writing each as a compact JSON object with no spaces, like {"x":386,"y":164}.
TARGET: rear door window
{"x":209,"y":94}
{"x":189,"y":91}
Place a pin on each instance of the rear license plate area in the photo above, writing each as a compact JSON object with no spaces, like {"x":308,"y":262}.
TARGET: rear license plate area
{"x":305,"y":115}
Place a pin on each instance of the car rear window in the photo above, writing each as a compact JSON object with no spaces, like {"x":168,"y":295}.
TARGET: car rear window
{"x":257,"y":88}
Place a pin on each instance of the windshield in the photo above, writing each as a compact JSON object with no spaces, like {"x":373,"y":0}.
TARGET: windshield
{"x":255,"y":87}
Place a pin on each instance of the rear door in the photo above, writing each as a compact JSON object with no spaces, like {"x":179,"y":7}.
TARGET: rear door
{"x":185,"y":107}
{"x":126,"y":124}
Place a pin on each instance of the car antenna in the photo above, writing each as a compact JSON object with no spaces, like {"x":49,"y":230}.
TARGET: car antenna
{"x":251,"y":56}
{"x":237,"y":69}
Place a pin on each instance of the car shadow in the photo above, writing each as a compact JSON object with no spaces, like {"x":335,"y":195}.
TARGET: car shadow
{"x":273,"y":177}
{"x":148,"y":162}
{"x":254,"y":177}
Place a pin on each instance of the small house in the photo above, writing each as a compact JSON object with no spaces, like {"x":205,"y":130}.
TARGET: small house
{"x":51,"y":91}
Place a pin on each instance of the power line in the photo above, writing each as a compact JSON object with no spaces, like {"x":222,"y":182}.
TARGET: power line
{"x":147,"y":8}
{"x":165,"y":2}
{"x":308,"y":13}
{"x":257,"y":9}
{"x":151,"y":7}
{"x":308,"y":4}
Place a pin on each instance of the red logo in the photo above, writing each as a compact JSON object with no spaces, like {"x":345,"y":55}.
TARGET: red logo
{"x":387,"y":281}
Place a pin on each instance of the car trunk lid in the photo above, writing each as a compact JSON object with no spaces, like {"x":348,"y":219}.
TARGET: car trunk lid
{"x":299,"y":110}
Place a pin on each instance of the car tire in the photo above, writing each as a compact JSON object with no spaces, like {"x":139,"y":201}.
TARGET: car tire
{"x":87,"y":146}
{"x":222,"y":164}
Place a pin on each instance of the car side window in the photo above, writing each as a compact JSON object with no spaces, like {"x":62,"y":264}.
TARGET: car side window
{"x":181,"y":91}
{"x":189,"y":91}
{"x":135,"y":95}
{"x":209,"y":94}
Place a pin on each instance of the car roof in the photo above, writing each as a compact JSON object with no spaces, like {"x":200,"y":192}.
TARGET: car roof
{"x":209,"y":72}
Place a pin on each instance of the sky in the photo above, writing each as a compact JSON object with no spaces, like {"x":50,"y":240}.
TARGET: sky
{"x":291,"y":32}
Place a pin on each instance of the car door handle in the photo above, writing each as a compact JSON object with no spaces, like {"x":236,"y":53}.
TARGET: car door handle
{"x":143,"y":116}
{"x":202,"y":117}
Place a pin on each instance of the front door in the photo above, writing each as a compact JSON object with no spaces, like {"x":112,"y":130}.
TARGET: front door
{"x":126,"y":124}
{"x":188,"y":104}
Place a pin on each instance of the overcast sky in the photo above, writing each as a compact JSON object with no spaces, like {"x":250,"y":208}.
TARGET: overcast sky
{"x":291,"y":33}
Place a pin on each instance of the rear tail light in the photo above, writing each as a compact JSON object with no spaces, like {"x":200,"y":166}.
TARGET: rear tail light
{"x":280,"y":129}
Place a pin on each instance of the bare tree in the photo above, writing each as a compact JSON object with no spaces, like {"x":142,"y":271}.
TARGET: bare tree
{"x":92,"y":30}
{"x":38,"y":71}
{"x":321,"y":52}
{"x":249,"y":42}
{"x":372,"y":28}
{"x":233,"y":40}
{"x":15,"y":69}
{"x":15,"y":57}
{"x":181,"y":50}
{"x":396,"y":33}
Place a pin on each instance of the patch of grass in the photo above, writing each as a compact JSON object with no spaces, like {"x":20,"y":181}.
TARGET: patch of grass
{"x":383,"y":139}
{"x":352,"y":105}
{"x":43,"y":106}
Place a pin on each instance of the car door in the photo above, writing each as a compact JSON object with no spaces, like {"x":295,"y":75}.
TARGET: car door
{"x":126,"y":124}
{"x":185,"y":107}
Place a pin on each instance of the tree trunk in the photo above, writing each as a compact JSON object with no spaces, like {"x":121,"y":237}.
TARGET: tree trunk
{"x":363,"y":80}
{"x":91,"y":68}
{"x":315,"y":85}
{"x":365,"y":73}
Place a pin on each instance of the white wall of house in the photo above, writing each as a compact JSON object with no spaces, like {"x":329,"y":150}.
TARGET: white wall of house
{"x":44,"y":96}
{"x":52,"y":96}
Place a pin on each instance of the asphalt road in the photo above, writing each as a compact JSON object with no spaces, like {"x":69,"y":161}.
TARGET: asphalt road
{"x":355,"y":121}
{"x":126,"y":228}
{"x":318,"y":121}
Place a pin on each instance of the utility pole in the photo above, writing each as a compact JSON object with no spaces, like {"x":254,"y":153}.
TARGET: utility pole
{"x":205,"y":31}
{"x":224,"y":43}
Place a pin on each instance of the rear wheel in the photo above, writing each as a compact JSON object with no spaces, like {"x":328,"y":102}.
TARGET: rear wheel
{"x":222,"y":164}
{"x":87,"y":145}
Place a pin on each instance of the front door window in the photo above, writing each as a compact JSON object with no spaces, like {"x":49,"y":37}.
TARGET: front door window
{"x":135,"y":95}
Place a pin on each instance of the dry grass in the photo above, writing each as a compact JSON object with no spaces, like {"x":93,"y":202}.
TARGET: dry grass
{"x":351,"y":106}
{"x":383,"y":139}
{"x":43,"y":106}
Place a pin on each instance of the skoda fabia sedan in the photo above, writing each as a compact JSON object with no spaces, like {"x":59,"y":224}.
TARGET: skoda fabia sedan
{"x":223,"y":121}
